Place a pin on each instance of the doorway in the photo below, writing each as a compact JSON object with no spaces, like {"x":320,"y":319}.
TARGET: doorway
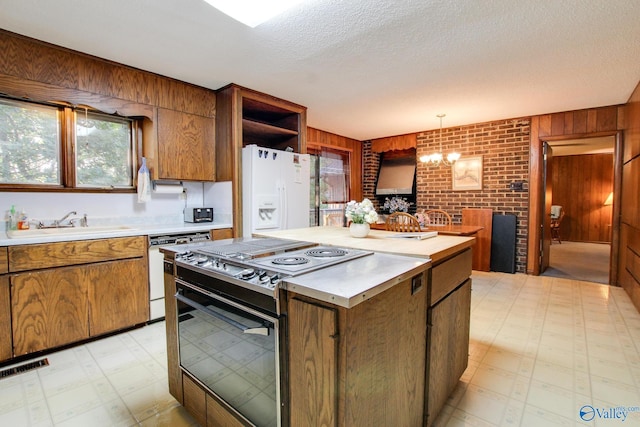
{"x":579,"y":176}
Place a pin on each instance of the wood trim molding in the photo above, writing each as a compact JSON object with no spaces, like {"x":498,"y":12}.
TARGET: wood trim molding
{"x":42,"y":92}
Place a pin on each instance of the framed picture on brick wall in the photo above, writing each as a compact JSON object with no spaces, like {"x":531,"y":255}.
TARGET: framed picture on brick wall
{"x":466,"y":174}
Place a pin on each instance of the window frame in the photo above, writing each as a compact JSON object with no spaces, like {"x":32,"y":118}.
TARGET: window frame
{"x":67,"y":123}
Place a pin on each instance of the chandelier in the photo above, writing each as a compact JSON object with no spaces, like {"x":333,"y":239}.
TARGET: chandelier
{"x":437,"y":158}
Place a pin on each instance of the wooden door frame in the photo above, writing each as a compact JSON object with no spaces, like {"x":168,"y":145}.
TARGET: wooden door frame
{"x":537,"y":196}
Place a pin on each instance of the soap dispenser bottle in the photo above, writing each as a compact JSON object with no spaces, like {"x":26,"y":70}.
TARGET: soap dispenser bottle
{"x":23,"y":222}
{"x":12,"y":224}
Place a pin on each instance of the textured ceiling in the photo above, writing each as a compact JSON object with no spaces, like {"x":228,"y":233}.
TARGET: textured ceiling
{"x":369,"y":68}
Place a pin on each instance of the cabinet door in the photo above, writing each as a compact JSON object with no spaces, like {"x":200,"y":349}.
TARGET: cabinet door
{"x":195,"y":400}
{"x":49,"y":309}
{"x":448,"y":347}
{"x":186,"y":146}
{"x":313,"y":365}
{"x":6,"y":349}
{"x":118,"y":295}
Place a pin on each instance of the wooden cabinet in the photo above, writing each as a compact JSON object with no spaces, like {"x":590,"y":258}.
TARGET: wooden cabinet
{"x":171,"y":326}
{"x":116,"y":298}
{"x":49,"y":308}
{"x":194,"y":400}
{"x":222,"y":233}
{"x":69,"y":291}
{"x":244,"y":117}
{"x":6,"y":343}
{"x":359,"y":366}
{"x":204,"y":408}
{"x":448,"y":317}
{"x":186,"y":146}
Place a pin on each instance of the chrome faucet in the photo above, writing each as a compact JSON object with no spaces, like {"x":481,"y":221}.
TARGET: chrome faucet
{"x":59,"y":221}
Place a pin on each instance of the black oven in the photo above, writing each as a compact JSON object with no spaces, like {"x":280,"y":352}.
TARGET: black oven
{"x":232,"y":349}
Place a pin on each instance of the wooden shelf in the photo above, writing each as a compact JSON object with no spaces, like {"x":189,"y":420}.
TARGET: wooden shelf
{"x":253,"y":128}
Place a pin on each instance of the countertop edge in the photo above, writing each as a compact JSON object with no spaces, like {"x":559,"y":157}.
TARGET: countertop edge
{"x":135,"y":230}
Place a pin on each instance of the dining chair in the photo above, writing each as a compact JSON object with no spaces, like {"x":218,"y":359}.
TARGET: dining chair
{"x":402,"y":221}
{"x":334,"y":219}
{"x":557,"y":214}
{"x":437,"y":217}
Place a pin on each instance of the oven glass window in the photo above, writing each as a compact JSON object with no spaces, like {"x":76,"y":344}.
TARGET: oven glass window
{"x":238,"y":366}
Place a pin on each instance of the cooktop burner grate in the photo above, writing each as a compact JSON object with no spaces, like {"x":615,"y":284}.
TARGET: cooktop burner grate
{"x":297,"y":260}
{"x":326,"y":252}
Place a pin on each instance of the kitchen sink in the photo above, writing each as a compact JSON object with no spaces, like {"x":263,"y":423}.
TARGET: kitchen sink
{"x":65,"y":231}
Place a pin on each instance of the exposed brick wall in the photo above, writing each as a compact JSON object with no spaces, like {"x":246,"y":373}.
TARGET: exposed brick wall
{"x":504,"y":147}
{"x":371,"y":163}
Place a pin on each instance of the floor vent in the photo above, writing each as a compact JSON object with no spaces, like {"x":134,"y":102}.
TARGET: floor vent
{"x":15,"y":370}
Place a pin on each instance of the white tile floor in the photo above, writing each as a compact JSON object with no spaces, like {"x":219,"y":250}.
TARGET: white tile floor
{"x":117,"y":381}
{"x":541,"y":349}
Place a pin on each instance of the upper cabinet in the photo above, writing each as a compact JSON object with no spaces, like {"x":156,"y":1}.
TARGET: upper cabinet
{"x":178,"y":118}
{"x":244,"y":117}
{"x":185,"y":146}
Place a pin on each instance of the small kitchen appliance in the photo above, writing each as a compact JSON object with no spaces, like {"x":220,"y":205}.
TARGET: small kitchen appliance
{"x":198,"y":214}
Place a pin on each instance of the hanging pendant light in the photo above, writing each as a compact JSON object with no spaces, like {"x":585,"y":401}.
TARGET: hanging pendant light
{"x":437,"y":158}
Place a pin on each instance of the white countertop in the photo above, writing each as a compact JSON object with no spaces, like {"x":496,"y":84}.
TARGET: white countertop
{"x":133,"y":229}
{"x":350,"y":283}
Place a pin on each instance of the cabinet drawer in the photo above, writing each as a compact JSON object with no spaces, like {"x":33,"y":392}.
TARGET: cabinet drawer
{"x":222,"y":233}
{"x":47,"y":255}
{"x":445,"y":277}
{"x":4,"y":260}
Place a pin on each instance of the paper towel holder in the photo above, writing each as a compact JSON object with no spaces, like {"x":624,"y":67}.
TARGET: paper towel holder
{"x":168,"y":187}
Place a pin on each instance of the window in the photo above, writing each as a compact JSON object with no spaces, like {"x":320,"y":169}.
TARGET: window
{"x":330,"y":177}
{"x":103,"y":150}
{"x":29,"y":143}
{"x":96,"y":151}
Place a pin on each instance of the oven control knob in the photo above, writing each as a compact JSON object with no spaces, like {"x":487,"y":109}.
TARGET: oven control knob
{"x":274,"y":279}
{"x":247,"y":273}
{"x":262,"y":276}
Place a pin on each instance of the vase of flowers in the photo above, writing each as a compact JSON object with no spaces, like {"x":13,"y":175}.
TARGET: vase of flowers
{"x":396,"y":204}
{"x":360,"y":215}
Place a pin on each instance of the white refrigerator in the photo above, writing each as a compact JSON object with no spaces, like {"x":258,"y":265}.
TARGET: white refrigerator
{"x":275,"y":189}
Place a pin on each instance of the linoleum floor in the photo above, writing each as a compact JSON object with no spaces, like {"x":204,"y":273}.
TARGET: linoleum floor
{"x":544,"y":351}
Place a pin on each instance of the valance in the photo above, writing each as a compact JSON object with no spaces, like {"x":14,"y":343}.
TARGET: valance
{"x":392,"y":143}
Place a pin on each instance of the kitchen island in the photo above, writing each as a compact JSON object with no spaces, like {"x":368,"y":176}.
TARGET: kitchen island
{"x":390,"y":360}
{"x":377,"y":340}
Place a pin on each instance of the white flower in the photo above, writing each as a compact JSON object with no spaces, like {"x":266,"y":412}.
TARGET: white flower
{"x":362,"y":212}
{"x":396,"y":204}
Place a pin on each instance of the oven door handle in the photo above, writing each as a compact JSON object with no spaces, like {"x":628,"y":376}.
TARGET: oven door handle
{"x":245,"y":329}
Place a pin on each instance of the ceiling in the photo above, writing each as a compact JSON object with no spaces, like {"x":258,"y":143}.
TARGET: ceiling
{"x":369,"y":68}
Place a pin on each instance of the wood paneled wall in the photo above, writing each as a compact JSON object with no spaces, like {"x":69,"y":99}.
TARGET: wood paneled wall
{"x":318,"y":139}
{"x":581,"y":184}
{"x":571,"y":124}
{"x":629,"y":255}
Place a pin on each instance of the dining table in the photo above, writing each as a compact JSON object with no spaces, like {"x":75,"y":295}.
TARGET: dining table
{"x":449,"y":230}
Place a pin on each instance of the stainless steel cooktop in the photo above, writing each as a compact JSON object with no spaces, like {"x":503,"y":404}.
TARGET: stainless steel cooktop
{"x":261,"y":263}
